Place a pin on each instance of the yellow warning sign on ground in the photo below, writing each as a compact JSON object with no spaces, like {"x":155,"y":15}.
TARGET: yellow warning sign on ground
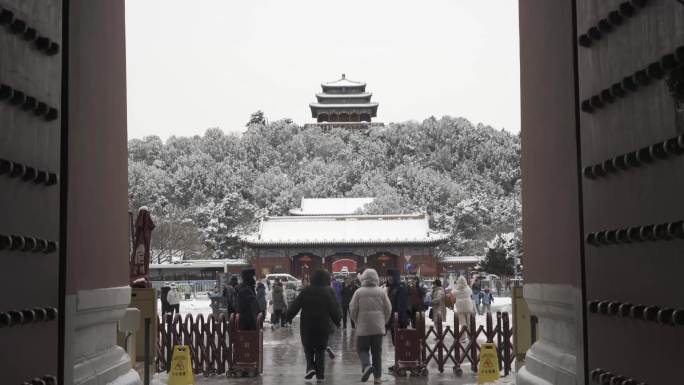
{"x":181,"y":367}
{"x":489,"y":364}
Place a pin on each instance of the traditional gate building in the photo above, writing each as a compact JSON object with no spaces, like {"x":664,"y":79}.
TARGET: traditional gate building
{"x":331,"y":234}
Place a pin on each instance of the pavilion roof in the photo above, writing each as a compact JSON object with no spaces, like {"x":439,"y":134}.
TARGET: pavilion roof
{"x":343,"y":82}
{"x":406,"y":229}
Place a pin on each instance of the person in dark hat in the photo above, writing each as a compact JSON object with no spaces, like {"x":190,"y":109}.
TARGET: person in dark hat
{"x":247,"y":300}
{"x":318,"y":308}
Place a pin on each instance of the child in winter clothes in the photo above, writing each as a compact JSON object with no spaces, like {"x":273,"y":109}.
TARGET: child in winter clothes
{"x":370,"y":309}
{"x":487,"y":299}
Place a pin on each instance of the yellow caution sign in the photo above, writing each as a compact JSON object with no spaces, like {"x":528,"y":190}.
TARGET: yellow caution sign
{"x":489,"y":364}
{"x":181,"y":367}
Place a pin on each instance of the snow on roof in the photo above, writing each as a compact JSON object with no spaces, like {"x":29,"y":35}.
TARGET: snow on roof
{"x":345,"y":229}
{"x":201,"y":263}
{"x":461,"y":259}
{"x":331,"y":206}
{"x":339,"y":105}
{"x":358,"y":95}
{"x":343,"y":82}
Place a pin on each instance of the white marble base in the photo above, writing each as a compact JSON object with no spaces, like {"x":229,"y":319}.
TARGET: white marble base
{"x":556,"y":357}
{"x":92,"y":355}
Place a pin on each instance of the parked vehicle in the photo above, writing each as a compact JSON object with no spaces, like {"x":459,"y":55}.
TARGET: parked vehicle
{"x":284,"y":278}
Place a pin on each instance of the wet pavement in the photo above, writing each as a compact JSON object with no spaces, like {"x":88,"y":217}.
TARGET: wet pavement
{"x":284,"y":363}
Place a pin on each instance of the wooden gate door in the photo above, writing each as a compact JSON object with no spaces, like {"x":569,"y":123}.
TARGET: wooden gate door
{"x":30,"y":112}
{"x":631,"y":90}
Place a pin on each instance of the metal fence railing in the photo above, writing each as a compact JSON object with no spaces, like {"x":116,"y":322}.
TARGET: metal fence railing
{"x":210,"y":342}
{"x":443,"y":345}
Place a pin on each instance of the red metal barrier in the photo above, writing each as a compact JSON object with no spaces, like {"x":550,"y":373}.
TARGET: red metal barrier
{"x":409,"y":352}
{"x":247,"y":347}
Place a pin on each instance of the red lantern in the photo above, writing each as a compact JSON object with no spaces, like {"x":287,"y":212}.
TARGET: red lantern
{"x":383,"y":258}
{"x":305,"y":258}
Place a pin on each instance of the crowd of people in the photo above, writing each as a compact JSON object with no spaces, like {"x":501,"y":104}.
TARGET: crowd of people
{"x":363,"y":302}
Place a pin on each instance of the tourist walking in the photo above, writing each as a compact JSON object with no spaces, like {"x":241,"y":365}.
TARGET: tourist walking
{"x":331,"y":325}
{"x":438,"y":302}
{"x":370,"y":309}
{"x":476,"y":298}
{"x":487,"y":299}
{"x":417,"y":300}
{"x":262,"y":303}
{"x":165,"y":307}
{"x":348,"y":289}
{"x":318,"y":308}
{"x":173,"y":297}
{"x":247,"y":301}
{"x":398,"y":296}
{"x":230,"y":295}
{"x":463,"y":304}
{"x":279,"y":304}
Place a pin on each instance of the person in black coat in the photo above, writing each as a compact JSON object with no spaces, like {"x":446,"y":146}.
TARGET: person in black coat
{"x":399,"y":297}
{"x":247,"y":301}
{"x":318,"y":307}
{"x":348,"y":289}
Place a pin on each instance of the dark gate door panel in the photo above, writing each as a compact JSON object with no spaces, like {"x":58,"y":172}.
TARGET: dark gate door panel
{"x":632,"y":144}
{"x":30,"y":98}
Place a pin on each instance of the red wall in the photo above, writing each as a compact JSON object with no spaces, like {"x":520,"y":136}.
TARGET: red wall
{"x":97,"y":245}
{"x":549,"y":159}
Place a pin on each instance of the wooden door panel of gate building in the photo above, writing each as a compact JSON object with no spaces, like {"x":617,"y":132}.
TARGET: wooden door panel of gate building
{"x":632,"y":155}
{"x":30,"y":110}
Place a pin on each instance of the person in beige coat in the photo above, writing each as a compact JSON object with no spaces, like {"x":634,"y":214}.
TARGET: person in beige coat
{"x":438,"y":302}
{"x":370,"y":309}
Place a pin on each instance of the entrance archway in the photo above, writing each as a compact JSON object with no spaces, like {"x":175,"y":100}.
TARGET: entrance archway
{"x":382,"y":261}
{"x":344,"y":265}
{"x":304,"y":264}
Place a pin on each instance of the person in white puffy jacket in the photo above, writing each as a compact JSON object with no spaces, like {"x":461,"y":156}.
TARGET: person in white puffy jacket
{"x":370,"y":309}
{"x":463,"y":304}
{"x":174,"y":298}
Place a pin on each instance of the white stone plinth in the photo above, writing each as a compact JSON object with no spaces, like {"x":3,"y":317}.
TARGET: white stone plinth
{"x":92,"y":355}
{"x":556,"y":357}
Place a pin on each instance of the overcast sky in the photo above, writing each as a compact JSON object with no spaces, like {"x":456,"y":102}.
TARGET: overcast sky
{"x":196,"y":64}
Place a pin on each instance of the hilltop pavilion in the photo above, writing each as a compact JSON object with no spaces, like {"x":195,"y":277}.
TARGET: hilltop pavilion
{"x":344,"y":103}
{"x":332,"y":234}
